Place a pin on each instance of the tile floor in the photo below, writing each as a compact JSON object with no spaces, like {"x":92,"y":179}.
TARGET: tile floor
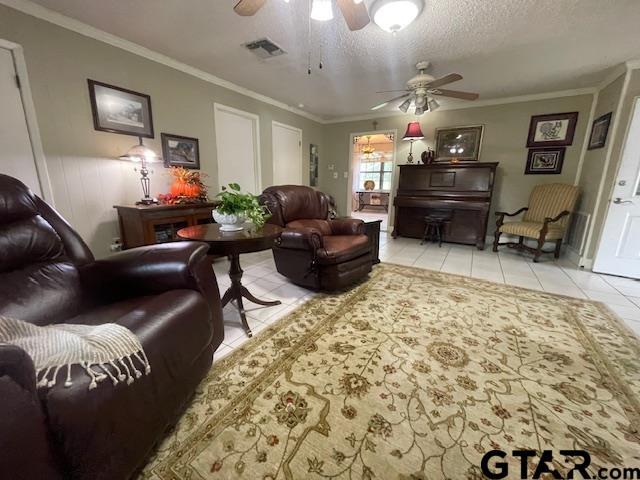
{"x":622,"y":295}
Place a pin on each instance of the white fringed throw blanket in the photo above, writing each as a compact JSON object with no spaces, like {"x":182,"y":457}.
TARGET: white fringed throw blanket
{"x":104,"y":351}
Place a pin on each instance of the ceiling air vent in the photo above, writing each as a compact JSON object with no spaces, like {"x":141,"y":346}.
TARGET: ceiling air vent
{"x":264,"y":48}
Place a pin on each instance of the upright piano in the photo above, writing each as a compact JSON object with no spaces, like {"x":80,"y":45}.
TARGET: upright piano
{"x":462,"y":190}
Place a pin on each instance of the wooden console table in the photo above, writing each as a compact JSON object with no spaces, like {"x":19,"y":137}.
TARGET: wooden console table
{"x":151,"y":224}
{"x":371,"y":198}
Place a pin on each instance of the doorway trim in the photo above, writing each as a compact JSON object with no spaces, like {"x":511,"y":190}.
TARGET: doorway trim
{"x":273,"y":157}
{"x":17,"y":52}
{"x":635,"y":109}
{"x":219,"y":107}
{"x":391,"y":212}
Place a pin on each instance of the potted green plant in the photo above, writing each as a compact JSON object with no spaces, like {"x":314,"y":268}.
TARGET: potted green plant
{"x":236,"y":207}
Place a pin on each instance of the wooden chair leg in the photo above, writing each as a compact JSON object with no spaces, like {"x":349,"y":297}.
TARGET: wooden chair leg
{"x":536,"y":256}
{"x":556,"y":253}
{"x":425,"y":235}
{"x":439,"y":235}
{"x":496,"y":239}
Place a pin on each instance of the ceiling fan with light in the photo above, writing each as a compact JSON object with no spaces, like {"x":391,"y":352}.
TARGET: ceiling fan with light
{"x":421,"y":90}
{"x":390,"y":15}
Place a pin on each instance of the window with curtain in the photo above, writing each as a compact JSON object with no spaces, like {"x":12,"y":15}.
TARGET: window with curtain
{"x":376,"y":169}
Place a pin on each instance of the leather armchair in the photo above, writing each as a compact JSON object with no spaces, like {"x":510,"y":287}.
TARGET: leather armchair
{"x":315,"y":251}
{"x":166,"y":295}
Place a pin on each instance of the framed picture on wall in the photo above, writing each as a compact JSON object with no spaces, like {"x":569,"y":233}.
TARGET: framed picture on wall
{"x":314,"y":160}
{"x":179,"y":151}
{"x":545,"y":160}
{"x":599,"y":131}
{"x":458,"y":144}
{"x":118,"y":110}
{"x":553,"y":130}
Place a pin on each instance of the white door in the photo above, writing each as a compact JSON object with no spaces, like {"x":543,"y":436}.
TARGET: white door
{"x":619,"y":249}
{"x":238,"y":140}
{"x":16,"y":154}
{"x":287,"y":154}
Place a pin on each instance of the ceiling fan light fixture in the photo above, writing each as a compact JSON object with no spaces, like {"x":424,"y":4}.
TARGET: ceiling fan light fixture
{"x":394,"y":15}
{"x":321,"y":10}
{"x":433,"y":104}
{"x":419,"y":110}
{"x":421,"y":100}
{"x":404,"y":106}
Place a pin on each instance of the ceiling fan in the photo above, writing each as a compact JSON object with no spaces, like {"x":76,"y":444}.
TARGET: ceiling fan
{"x":422,"y":88}
{"x":354,"y":12}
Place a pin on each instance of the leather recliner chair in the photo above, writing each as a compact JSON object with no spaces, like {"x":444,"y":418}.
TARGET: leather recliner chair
{"x":315,"y":251}
{"x":166,"y":295}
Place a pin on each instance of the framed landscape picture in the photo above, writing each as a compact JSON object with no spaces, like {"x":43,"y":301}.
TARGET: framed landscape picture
{"x":179,"y":151}
{"x":118,"y":110}
{"x":545,"y":160}
{"x":599,"y":131}
{"x":554,"y":130}
{"x":461,"y":144}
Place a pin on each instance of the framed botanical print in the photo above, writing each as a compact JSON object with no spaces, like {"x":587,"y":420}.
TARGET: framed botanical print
{"x":179,"y":151}
{"x":599,"y":131}
{"x":554,"y":130}
{"x":545,"y":160}
{"x":460,"y":144}
{"x":118,"y":110}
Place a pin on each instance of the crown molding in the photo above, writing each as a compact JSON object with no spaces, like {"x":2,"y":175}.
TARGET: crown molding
{"x":475,"y":104}
{"x":617,"y":72}
{"x":33,"y":9}
{"x":633,"y":64}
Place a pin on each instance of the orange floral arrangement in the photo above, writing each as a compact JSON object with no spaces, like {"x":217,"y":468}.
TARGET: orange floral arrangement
{"x":187,"y":187}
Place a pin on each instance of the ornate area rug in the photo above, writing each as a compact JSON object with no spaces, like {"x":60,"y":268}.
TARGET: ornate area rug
{"x":412,"y":375}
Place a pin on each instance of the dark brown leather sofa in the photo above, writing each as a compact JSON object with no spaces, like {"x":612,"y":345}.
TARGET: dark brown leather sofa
{"x":167,"y":295}
{"x":315,"y":251}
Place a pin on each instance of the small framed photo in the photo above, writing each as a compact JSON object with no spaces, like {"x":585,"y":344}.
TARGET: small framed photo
{"x":118,"y":110}
{"x":179,"y":151}
{"x":545,"y":161}
{"x":458,"y":144}
{"x":554,"y":130}
{"x":599,"y":131}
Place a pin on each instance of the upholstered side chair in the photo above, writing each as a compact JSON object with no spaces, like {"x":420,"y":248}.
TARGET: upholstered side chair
{"x":545,"y":219}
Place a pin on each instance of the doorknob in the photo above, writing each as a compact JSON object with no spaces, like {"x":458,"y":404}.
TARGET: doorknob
{"x":619,"y":201}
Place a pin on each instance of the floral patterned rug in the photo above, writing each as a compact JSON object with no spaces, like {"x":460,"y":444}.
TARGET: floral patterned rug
{"x":412,"y":375}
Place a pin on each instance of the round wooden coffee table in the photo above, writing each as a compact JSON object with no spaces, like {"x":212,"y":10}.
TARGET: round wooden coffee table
{"x":232,"y":244}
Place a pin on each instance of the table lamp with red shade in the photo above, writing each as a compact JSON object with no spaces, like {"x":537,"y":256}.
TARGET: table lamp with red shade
{"x":413,"y":133}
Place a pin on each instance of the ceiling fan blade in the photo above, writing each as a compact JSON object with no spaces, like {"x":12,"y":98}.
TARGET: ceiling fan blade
{"x":452,"y":77}
{"x":355,"y":14}
{"x":394,"y":91}
{"x":384,"y":104}
{"x":246,"y":8}
{"x":454,"y":94}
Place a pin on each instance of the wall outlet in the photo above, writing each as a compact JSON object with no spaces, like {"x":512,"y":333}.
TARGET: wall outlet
{"x":116,"y":244}
{"x":331,"y":166}
{"x":335,"y":175}
{"x":345,"y":174}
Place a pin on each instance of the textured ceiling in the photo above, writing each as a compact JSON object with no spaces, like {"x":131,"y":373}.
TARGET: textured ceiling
{"x":502,"y":48}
